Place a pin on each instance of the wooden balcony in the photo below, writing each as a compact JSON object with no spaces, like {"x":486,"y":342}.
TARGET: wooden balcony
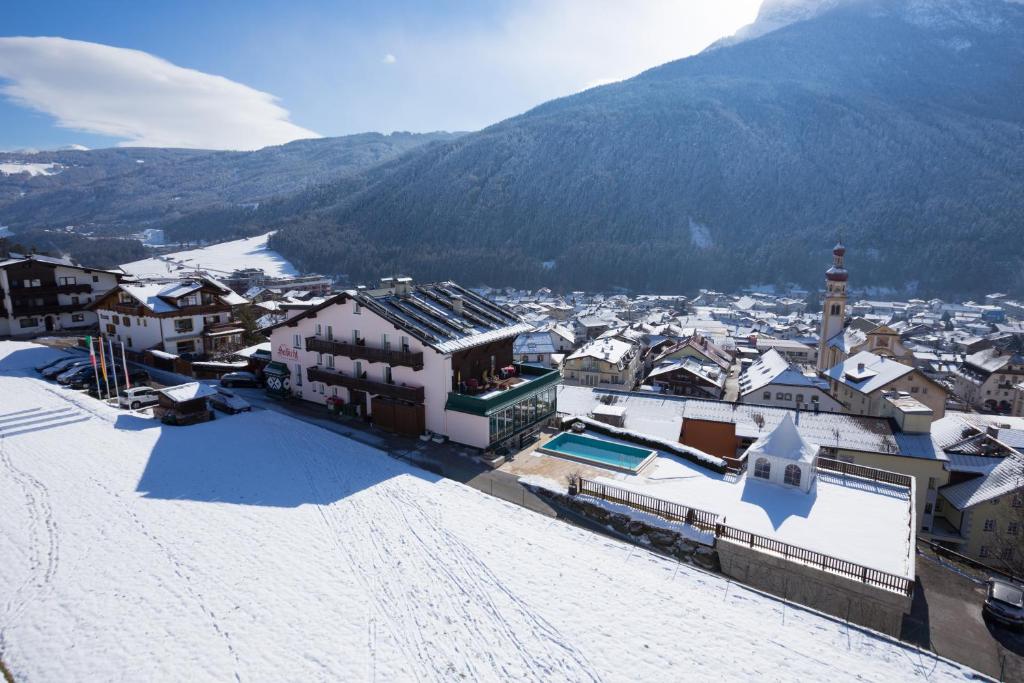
{"x":335,"y":378}
{"x":46,"y":309}
{"x":83,"y":288}
{"x":409,"y":359}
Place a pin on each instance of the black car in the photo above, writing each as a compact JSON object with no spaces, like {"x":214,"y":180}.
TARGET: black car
{"x":135,"y":377}
{"x":82,"y":375}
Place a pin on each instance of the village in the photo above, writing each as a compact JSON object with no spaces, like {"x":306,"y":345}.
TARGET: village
{"x":820,"y":448}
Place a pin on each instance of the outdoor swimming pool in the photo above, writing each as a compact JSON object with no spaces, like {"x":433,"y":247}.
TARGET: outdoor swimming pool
{"x":594,"y":451}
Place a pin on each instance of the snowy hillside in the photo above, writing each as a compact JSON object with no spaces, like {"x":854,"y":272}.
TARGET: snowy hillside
{"x":219,"y":259}
{"x":257,"y":547}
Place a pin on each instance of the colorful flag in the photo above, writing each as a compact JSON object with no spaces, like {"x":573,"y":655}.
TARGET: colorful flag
{"x":124,"y":364}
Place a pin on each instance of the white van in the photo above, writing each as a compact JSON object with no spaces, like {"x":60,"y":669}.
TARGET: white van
{"x":137,"y":397}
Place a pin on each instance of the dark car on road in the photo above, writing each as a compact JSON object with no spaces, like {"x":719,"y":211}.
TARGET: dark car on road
{"x":239,"y":379}
{"x":1004,"y":603}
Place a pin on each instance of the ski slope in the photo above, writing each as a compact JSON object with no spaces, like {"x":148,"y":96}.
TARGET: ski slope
{"x":260,"y":548}
{"x":220,"y":259}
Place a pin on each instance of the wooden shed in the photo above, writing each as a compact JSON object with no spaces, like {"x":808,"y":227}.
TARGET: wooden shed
{"x":185,"y":404}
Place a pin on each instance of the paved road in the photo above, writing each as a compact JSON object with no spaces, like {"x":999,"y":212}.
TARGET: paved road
{"x":946,"y":617}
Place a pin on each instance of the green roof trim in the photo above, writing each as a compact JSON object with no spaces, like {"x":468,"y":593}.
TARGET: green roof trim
{"x":539,"y":379}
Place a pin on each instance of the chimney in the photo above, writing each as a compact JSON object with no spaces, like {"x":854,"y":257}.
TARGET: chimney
{"x":387,"y":283}
{"x":457,"y":304}
{"x":860,"y":367}
{"x":403,"y":285}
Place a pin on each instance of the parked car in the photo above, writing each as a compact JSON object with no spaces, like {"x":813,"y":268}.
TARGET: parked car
{"x":53,"y":361}
{"x":76,"y":374}
{"x":137,"y":397}
{"x":137,"y":378}
{"x":55,"y":370}
{"x":239,"y":379}
{"x":1004,"y":603}
{"x":228,"y":402}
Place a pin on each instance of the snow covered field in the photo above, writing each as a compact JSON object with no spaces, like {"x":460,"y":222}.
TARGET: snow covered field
{"x":17,"y":167}
{"x":219,"y":259}
{"x":257,"y":547}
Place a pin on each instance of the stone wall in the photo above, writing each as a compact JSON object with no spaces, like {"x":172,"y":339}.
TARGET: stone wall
{"x":833,"y":594}
{"x":860,"y":603}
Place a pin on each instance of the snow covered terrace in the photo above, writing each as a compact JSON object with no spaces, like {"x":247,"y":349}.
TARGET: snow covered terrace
{"x":850,"y":518}
{"x":258,"y":547}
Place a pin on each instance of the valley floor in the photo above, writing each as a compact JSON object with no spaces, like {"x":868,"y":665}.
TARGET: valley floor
{"x":258,"y":547}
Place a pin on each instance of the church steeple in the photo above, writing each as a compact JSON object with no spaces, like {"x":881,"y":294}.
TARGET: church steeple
{"x":833,"y":313}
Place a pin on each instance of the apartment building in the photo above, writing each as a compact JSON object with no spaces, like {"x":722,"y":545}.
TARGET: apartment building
{"x":189,"y":316}
{"x":40,"y":294}
{"x":413,"y":358}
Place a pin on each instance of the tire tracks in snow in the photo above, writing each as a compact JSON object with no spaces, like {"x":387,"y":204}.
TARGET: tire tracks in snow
{"x":44,"y":539}
{"x":423,"y":580}
{"x":180,"y":571}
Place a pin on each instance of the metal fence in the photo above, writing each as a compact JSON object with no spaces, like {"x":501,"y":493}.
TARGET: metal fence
{"x":708,"y":521}
{"x":871,"y":473}
{"x":663,"y":508}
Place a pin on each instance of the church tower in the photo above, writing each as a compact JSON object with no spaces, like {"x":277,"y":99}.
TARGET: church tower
{"x":834,"y":310}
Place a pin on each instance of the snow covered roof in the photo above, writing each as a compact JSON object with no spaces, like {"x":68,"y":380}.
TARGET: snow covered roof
{"x":1004,"y":478}
{"x":608,"y":349}
{"x":250,"y":351}
{"x":533,"y":342}
{"x":772,"y":368}
{"x":443,"y":315}
{"x":708,"y":372}
{"x":867,"y":372}
{"x":992,"y":360}
{"x":785,"y":443}
{"x":188,"y":392}
{"x":179,"y":289}
{"x":662,"y":416}
{"x":149,"y":296}
{"x":846,"y":340}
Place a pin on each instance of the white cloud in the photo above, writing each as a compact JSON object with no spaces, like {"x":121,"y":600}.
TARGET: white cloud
{"x":477,"y":71}
{"x":389,"y":59}
{"x":139,"y":98}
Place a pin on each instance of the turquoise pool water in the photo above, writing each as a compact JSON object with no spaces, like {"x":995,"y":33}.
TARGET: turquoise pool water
{"x":598,"y":451}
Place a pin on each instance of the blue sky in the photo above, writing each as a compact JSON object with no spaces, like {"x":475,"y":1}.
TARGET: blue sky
{"x":244,"y":74}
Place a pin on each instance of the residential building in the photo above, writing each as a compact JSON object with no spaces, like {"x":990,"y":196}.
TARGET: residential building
{"x":412,"y":358}
{"x":189,"y":316}
{"x":983,"y":506}
{"x":610,"y":362}
{"x":793,"y":351}
{"x":40,"y":294}
{"x":860,"y":383}
{"x":988,"y":379}
{"x":545,"y":347}
{"x":772,"y":380}
{"x":687,"y":376}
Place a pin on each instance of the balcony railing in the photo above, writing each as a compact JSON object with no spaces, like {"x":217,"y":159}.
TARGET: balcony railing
{"x":409,"y":359}
{"x":335,"y":378}
{"x":537,"y":378}
{"x":45,"y":309}
{"x":83,"y":288}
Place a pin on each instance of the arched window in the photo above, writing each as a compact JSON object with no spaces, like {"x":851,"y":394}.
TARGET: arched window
{"x":792,"y":475}
{"x":835,"y":309}
{"x":762,"y":468}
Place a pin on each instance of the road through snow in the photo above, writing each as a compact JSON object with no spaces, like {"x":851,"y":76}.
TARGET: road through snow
{"x":261,"y":548}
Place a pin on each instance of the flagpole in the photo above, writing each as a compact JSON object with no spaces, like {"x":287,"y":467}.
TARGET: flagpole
{"x":95,"y":368}
{"x":124,"y":364}
{"x":103,"y":365}
{"x":113,"y":366}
